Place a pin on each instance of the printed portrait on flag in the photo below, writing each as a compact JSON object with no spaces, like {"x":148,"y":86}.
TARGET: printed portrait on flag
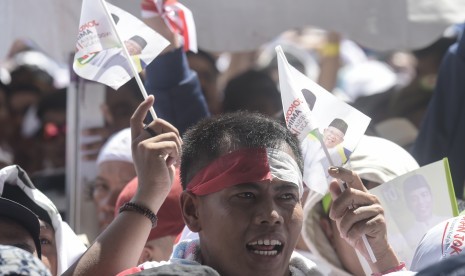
{"x":100,"y":56}
{"x":114,"y":60}
{"x":414,"y":203}
{"x":316,"y":162}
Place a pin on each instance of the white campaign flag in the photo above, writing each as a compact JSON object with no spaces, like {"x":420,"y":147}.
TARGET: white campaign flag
{"x":99,"y":52}
{"x":327,"y":128}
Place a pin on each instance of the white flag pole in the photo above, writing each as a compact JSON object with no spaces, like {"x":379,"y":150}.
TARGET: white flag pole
{"x":128,"y":57}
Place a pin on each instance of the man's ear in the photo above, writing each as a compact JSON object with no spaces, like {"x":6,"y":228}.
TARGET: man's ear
{"x":146,"y":255}
{"x":189,"y":209}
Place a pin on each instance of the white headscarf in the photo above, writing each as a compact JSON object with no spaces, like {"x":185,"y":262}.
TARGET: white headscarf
{"x":69,"y":246}
{"x":375,"y":159}
{"x":117,"y":148}
{"x":380,"y":160}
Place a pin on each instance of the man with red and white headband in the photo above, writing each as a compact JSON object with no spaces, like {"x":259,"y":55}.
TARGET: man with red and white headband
{"x":242,"y":180}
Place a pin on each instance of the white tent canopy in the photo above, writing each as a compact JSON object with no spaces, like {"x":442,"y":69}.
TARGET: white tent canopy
{"x":377,"y":24}
{"x":239,"y":25}
{"x":52,"y":24}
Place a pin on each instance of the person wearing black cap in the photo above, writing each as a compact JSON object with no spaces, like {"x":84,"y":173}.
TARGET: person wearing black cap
{"x":19,"y":227}
{"x":135,"y":45}
{"x":59,"y":245}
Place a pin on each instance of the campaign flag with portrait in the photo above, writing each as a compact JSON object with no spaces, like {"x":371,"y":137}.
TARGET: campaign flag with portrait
{"x":415,"y":202}
{"x":99,"y":49}
{"x":328,"y":128}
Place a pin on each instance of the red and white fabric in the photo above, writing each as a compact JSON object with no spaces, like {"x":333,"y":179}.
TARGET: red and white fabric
{"x":176,"y":16}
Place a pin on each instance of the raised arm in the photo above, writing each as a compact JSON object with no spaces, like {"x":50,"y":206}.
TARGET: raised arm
{"x":120,"y":245}
{"x":357,"y":212}
{"x":180,"y":99}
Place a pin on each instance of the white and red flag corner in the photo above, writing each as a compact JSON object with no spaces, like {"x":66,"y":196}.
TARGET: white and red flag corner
{"x":177,"y":17}
{"x":99,"y":49}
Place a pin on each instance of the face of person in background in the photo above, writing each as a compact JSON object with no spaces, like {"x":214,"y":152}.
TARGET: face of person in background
{"x":332,"y":137}
{"x":133,"y":47}
{"x":420,"y":202}
{"x":48,"y":246}
{"x":111,"y":179}
{"x":12,"y":233}
{"x":120,"y":105}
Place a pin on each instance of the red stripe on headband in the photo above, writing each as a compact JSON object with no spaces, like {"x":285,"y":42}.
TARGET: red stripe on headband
{"x":242,"y":166}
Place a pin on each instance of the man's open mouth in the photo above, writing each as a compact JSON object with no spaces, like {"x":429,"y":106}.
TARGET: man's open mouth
{"x":265,"y":247}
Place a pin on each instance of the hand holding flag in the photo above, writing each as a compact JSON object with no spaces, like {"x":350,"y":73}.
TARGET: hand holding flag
{"x":306,"y":105}
{"x":114,"y":46}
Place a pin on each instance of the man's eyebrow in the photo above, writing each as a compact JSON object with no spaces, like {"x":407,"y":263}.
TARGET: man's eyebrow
{"x":285,"y":186}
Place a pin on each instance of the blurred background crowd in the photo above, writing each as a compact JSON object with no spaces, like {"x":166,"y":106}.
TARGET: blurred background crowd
{"x":394,"y":88}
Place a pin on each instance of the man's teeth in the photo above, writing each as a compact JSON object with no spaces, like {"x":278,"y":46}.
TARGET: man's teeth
{"x":266,"y":253}
{"x":265,"y":242}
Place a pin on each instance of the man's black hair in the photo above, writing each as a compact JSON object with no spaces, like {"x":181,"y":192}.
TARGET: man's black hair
{"x":211,"y":137}
{"x":22,"y":88}
{"x":31,"y":74}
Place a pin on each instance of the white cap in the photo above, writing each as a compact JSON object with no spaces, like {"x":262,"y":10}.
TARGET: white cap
{"x":380,"y":160}
{"x":444,"y":240}
{"x":117,"y":148}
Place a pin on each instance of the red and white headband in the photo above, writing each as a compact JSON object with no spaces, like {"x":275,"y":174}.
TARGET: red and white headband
{"x":244,"y":166}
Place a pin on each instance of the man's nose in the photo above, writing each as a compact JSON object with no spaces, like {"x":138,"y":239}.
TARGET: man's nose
{"x":110,"y":201}
{"x":268,"y":213}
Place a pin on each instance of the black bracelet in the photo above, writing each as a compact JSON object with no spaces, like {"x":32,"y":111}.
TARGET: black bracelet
{"x":131,"y":206}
